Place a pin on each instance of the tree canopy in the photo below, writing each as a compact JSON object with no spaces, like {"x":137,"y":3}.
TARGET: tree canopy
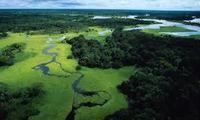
{"x":167,"y":84}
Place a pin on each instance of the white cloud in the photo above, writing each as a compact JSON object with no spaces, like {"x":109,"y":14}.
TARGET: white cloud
{"x":105,"y":4}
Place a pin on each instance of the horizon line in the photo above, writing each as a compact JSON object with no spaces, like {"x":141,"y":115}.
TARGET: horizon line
{"x":99,"y":9}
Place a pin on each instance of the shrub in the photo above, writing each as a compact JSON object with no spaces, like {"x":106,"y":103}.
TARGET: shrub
{"x":70,"y":57}
{"x":78,"y":67}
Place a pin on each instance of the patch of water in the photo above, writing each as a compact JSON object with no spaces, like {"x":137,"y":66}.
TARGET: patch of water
{"x":43,"y":66}
{"x":181,"y":34}
{"x":130,"y":17}
{"x":103,"y":33}
{"x":122,"y":17}
{"x":62,"y":38}
{"x":101,"y":17}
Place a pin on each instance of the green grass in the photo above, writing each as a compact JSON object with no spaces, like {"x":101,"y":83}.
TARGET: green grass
{"x":97,"y":79}
{"x":166,"y":29}
{"x":58,"y":99}
{"x":195,"y":36}
{"x":90,"y":33}
{"x":57,"y":102}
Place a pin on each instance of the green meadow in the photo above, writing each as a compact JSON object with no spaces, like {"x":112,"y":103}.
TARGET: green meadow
{"x":57,"y":102}
{"x":166,"y":29}
{"x":90,"y":33}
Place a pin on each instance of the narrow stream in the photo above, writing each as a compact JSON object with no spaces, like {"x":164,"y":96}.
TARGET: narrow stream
{"x":43,"y":66}
{"x":75,"y":85}
{"x":79,"y":91}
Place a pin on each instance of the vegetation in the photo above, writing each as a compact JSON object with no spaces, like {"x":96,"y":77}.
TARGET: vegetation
{"x":34,"y":23}
{"x":167,"y":86}
{"x":196,"y":36}
{"x":96,"y":79}
{"x":94,"y":33}
{"x":91,"y":53}
{"x":116,"y":22}
{"x":167,"y":29}
{"x":3,"y":35}
{"x":7,"y":54}
{"x":191,"y":23}
{"x":119,"y":75}
{"x":53,"y":104}
{"x":18,"y":105}
{"x":57,"y":101}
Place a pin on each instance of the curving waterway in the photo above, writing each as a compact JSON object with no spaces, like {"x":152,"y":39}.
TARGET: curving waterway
{"x":79,"y":91}
{"x":43,"y":67}
{"x":194,"y":30}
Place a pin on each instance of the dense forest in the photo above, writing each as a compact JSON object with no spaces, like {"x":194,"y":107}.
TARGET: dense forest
{"x":57,"y":23}
{"x":3,"y":35}
{"x":61,"y":21}
{"x":91,"y":53}
{"x":175,"y":15}
{"x":18,"y":105}
{"x":166,"y":86}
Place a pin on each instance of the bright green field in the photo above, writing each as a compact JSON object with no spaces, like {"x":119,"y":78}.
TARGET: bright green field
{"x":57,"y":102}
{"x":97,"y":79}
{"x":90,"y":33}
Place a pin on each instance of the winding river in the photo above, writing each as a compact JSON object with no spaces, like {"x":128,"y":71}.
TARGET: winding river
{"x":43,"y":67}
{"x":79,"y":91}
{"x":194,"y":30}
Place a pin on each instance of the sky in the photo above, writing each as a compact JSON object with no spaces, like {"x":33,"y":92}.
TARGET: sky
{"x":103,"y":4}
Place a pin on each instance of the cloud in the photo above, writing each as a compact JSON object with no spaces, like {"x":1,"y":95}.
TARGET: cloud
{"x":105,"y":4}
